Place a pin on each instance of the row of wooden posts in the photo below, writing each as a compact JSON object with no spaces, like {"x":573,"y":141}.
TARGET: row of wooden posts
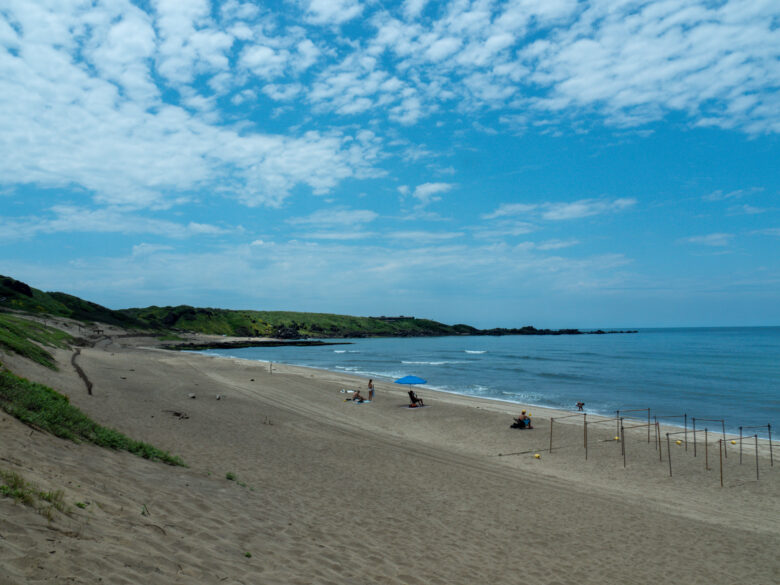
{"x":722,"y":443}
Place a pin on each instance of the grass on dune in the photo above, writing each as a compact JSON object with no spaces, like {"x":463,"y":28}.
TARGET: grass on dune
{"x":19,"y":335}
{"x":40,"y":406}
{"x":13,"y":485}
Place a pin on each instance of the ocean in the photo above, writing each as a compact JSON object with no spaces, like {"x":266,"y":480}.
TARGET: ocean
{"x":711,"y":374}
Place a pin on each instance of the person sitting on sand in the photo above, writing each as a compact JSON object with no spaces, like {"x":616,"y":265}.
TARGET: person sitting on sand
{"x":358,"y":397}
{"x":415,"y":400}
{"x":523,"y":421}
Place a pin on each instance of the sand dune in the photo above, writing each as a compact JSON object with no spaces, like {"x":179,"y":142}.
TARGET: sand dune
{"x":331,"y":492}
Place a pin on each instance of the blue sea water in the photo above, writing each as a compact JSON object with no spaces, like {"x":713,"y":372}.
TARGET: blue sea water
{"x":707,"y":373}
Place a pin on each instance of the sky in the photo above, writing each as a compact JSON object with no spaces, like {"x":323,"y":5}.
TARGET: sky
{"x":604,"y":163}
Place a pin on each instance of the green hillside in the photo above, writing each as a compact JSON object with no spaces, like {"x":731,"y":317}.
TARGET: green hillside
{"x":287,"y":324}
{"x":280,"y":324}
{"x":19,"y":296}
{"x":27,"y":338}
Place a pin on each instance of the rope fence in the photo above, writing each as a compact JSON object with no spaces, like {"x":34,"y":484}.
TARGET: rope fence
{"x":624,"y":424}
{"x":617,"y":415}
{"x":769,"y":435}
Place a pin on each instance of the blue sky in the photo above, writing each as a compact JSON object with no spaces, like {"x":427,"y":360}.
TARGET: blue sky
{"x":609,"y":163}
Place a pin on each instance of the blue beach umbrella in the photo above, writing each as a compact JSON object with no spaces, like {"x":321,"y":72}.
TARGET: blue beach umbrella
{"x":410,"y":380}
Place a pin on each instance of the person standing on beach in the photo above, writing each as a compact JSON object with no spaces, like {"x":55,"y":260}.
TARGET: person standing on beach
{"x":370,"y":389}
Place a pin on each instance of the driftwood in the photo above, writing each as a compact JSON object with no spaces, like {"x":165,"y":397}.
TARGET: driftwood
{"x":177,"y":414}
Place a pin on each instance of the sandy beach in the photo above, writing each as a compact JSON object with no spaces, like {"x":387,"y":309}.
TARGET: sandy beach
{"x":327,"y":491}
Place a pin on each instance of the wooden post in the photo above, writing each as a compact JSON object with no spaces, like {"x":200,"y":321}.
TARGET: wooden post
{"x":771,"y":457}
{"x":740,"y":445}
{"x":725,"y":451}
{"x":551,"y":429}
{"x":756,"y":437}
{"x":669,"y":453}
{"x":721,"y":462}
{"x":586,"y":440}
{"x":585,"y":430}
{"x":648,"y":425}
{"x":623,"y":442}
{"x":655,"y":421}
{"x":685,"y":426}
{"x":706,"y":451}
{"x":655,"y":428}
{"x":658,"y":442}
{"x":694,"y":436}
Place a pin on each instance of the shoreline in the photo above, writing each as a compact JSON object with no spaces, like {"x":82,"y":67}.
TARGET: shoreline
{"x":288,"y":483}
{"x":548,"y":411}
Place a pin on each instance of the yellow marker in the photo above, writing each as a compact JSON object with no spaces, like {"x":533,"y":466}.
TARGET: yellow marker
{"x":537,"y":456}
{"x":733,"y":442}
{"x":678,"y":442}
{"x":617,"y":438}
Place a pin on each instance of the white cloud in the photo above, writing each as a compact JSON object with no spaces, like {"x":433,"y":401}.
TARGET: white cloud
{"x":422,"y":237}
{"x":349,"y":278}
{"x":145,"y":249}
{"x":719,"y":195}
{"x":504,"y":228}
{"x":510,"y":209}
{"x":190,"y":42}
{"x":71,"y":219}
{"x":413,"y":8}
{"x":308,"y":55}
{"x":336,"y":217}
{"x":264,"y":61}
{"x":767,"y":232}
{"x":746,"y":210}
{"x":121,"y":52}
{"x":715,"y":240}
{"x":66,"y":127}
{"x":560,"y":211}
{"x":639,"y":60}
{"x":628,"y":62}
{"x":427,"y":193}
{"x":283,"y":93}
{"x":442,"y":48}
{"x":556,"y":244}
{"x":331,"y":11}
{"x":337,"y":235}
{"x":584,"y":208}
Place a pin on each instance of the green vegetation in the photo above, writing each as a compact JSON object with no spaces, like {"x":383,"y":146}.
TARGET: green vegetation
{"x":230,"y":476}
{"x":279,"y":324}
{"x":288,"y":324}
{"x":170,"y":337}
{"x":17,"y":335}
{"x":13,"y":485}
{"x":17,"y":295}
{"x":43,"y":408}
{"x":285,"y":324}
